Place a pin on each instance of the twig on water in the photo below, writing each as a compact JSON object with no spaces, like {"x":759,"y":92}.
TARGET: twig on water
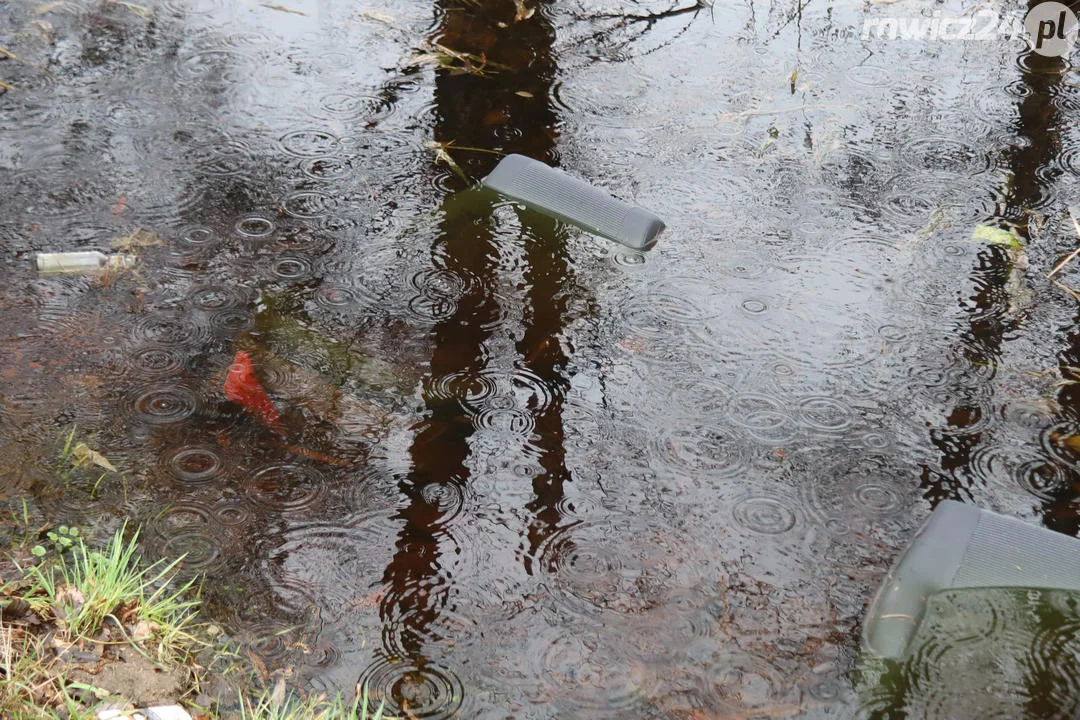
{"x":1067,"y":289}
{"x":1074,"y":253}
{"x":7,"y":53}
{"x":727,"y":117}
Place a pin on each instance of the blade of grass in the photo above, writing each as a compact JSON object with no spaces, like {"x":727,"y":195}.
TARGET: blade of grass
{"x":16,"y":58}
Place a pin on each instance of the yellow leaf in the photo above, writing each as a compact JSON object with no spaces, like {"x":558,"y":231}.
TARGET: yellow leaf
{"x":996,"y":236}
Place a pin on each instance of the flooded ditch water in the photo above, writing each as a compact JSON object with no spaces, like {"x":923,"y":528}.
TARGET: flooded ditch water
{"x":521,"y":471}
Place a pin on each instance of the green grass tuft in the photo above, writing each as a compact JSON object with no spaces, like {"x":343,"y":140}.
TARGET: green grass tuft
{"x":86,"y":588}
{"x":268,"y":707}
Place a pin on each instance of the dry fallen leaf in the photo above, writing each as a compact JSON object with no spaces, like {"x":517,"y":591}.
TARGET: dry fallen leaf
{"x":277,"y":696}
{"x":141,"y":631}
{"x":70,"y":596}
{"x":84,"y":454}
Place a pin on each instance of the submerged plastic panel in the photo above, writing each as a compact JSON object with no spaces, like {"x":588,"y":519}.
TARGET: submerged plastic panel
{"x":961,"y":546}
{"x":554,"y":192}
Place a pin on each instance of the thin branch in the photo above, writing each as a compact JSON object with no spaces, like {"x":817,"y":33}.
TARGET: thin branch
{"x":1074,"y":253}
{"x":7,"y":53}
{"x":796,"y":14}
{"x":654,"y":17}
{"x":1067,"y":289}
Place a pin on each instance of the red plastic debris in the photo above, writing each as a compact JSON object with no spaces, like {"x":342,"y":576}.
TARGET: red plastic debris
{"x":242,"y":387}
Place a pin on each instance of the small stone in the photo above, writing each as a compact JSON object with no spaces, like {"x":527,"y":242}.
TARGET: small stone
{"x":166,"y":712}
{"x":118,"y":711}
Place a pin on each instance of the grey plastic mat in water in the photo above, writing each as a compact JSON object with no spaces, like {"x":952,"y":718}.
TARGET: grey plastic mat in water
{"x":556,"y":193}
{"x":961,"y":546}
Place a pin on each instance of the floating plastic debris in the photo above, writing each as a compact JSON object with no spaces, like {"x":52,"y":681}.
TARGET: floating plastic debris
{"x":83,"y":261}
{"x":555,"y":193}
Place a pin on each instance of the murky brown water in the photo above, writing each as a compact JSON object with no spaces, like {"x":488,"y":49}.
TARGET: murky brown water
{"x":525,"y":472}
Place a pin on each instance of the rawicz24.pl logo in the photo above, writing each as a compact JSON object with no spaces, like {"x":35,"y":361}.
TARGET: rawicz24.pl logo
{"x":1050,"y":28}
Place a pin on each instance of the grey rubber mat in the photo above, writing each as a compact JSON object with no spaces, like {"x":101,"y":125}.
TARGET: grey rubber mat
{"x":961,"y":546}
{"x":553,"y":192}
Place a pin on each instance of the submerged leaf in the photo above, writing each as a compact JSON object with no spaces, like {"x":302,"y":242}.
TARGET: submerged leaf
{"x":243,"y":388}
{"x":997,"y":236}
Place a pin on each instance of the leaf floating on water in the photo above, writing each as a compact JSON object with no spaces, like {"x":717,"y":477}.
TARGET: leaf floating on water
{"x":378,"y":16}
{"x":524,"y":94}
{"x":144,"y":12}
{"x":444,"y":157}
{"x":441,"y":155}
{"x":282,"y":8}
{"x":997,"y":236}
{"x":424,"y":59}
{"x":522,"y":13}
{"x":83,"y":454}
